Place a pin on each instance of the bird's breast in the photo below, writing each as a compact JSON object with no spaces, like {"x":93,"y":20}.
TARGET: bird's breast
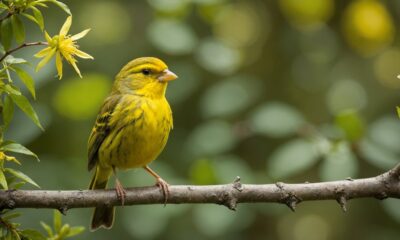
{"x":142,"y":132}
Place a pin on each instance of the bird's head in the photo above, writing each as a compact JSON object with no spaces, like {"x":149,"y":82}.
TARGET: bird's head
{"x":146,"y":76}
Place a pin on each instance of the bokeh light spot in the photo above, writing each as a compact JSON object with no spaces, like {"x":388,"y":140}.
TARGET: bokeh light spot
{"x":217,"y":57}
{"x":172,"y":37}
{"x":386,"y":68}
{"x":311,"y":227}
{"x":307,"y":14}
{"x":230,"y":96}
{"x":210,"y":138}
{"x":346,"y":94}
{"x":238,"y":25}
{"x":80,"y":99}
{"x":109,"y":22}
{"x":368,"y":26}
{"x":169,"y":5}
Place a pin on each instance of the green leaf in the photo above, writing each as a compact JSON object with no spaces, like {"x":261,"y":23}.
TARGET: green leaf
{"x":351,"y":123}
{"x":15,"y":235}
{"x":26,"y":79}
{"x":293,"y":157}
{"x":63,"y":6}
{"x":276,"y":120}
{"x":47,"y":228}
{"x":11,"y":215}
{"x":75,"y":231}
{"x":8,"y":111}
{"x":6,"y":33}
{"x":18,"y":28}
{"x":10,"y":146}
{"x":3,"y":181}
{"x":30,"y":17}
{"x":32,"y":234}
{"x":21,"y":176}
{"x":12,"y":90}
{"x":398,"y":111}
{"x":39,"y":3}
{"x":64,"y":231}
{"x":13,"y":60}
{"x":38,"y":16}
{"x":9,"y":235}
{"x":23,"y":103}
{"x":18,"y":185}
{"x":57,"y":221}
{"x":3,"y":6}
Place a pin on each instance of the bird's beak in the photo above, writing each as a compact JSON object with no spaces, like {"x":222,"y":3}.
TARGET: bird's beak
{"x":167,"y":76}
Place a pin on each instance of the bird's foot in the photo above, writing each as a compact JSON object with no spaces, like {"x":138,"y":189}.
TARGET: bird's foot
{"x":121,"y":192}
{"x":164,"y":186}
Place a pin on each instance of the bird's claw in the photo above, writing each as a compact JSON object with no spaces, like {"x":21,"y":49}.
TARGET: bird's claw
{"x":121,"y":192}
{"x":164,"y":186}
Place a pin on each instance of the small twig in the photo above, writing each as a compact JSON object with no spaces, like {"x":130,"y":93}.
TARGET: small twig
{"x":21,"y":46}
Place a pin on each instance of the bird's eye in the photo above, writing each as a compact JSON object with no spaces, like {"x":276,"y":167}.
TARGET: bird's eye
{"x":146,"y":71}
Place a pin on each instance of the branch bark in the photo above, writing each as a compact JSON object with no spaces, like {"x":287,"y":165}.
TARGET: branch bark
{"x":386,"y":185}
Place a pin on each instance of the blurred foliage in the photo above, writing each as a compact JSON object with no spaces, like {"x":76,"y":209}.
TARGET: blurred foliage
{"x":12,"y":38}
{"x":60,"y":231}
{"x":285,"y":90}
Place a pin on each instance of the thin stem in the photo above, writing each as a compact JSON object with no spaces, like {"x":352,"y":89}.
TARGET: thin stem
{"x":9,"y":14}
{"x":21,"y":46}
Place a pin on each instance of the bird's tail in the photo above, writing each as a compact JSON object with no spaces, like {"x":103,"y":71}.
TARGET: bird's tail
{"x":103,"y":216}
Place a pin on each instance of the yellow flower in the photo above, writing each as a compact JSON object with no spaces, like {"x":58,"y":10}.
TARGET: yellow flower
{"x":4,"y":157}
{"x":63,"y":46}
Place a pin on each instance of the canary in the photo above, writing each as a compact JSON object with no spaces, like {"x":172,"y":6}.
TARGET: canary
{"x":131,"y":129}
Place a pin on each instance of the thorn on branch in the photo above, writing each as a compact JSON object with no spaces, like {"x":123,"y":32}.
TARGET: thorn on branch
{"x":381,"y":196}
{"x":291,"y":203}
{"x":228,"y":200}
{"x":342,"y":200}
{"x":237,"y":184}
{"x":279,"y":185}
{"x":10,"y":204}
{"x":288,"y":198}
{"x":232,"y":204}
{"x":342,"y":197}
{"x":63,"y":210}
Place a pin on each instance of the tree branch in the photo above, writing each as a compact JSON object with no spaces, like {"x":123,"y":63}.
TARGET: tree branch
{"x":380,"y":187}
{"x":21,"y":46}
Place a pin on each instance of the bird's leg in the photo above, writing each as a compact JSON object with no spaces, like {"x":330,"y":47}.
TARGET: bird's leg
{"x":161,"y":183}
{"x":119,"y":189}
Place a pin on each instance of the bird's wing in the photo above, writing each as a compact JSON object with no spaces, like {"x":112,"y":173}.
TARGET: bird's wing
{"x":101,"y":129}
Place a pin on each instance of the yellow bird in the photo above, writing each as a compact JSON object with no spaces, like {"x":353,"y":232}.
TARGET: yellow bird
{"x":131,"y":129}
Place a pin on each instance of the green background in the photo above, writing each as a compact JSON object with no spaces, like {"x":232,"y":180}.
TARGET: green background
{"x":267,"y":90}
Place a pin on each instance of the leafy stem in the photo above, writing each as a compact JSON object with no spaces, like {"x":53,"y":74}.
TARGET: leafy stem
{"x":21,"y":46}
